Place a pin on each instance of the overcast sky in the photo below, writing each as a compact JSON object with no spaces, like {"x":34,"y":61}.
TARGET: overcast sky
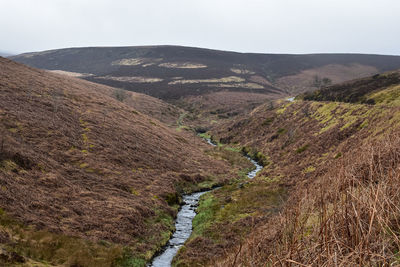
{"x":268,"y":26}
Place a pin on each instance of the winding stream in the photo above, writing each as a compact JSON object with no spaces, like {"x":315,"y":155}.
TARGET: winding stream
{"x":251,"y":174}
{"x":183,"y":224}
{"x":254,"y":172}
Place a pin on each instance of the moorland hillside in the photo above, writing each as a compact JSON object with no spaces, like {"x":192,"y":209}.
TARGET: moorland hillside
{"x":85,"y":179}
{"x":327,"y":194}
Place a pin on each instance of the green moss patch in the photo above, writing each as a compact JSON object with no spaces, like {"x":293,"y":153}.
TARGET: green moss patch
{"x":224,"y":216}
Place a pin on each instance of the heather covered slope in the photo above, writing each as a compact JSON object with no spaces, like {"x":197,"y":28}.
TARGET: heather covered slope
{"x":150,"y":106}
{"x":76,"y":165}
{"x":347,"y":216}
{"x":335,"y":166}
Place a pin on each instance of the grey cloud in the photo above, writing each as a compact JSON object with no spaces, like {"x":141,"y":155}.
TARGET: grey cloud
{"x":270,"y":26}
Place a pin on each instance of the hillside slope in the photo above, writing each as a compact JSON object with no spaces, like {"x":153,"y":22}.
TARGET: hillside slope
{"x":358,"y":91}
{"x":87,"y":180}
{"x":321,"y":158}
{"x":150,"y":106}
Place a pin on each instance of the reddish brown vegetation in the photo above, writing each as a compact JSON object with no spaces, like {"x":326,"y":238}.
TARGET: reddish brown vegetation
{"x":75,"y":161}
{"x":357,"y":90}
{"x":305,"y":80}
{"x":208,"y":109}
{"x":291,"y":139}
{"x":347,"y":217}
{"x":340,"y":167}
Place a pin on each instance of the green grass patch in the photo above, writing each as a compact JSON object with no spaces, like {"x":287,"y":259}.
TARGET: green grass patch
{"x":205,"y":135}
{"x":283,"y":108}
{"x":182,"y":127}
{"x":234,"y":149}
{"x":207,"y":184}
{"x":388,"y":97}
{"x":134,"y":192}
{"x":302,"y":149}
{"x":44,"y":248}
{"x":258,"y":156}
{"x":228,"y":210}
{"x":338,"y":155}
{"x":268,"y":121}
{"x":281,"y":131}
{"x":179,"y":121}
{"x":83,"y":165}
{"x":309,"y":169}
{"x":48,"y":248}
{"x":131,"y":262}
{"x":343,"y":115}
{"x":8,"y":165}
{"x":205,"y":213}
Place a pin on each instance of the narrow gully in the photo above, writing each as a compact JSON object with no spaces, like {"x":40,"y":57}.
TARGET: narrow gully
{"x":183,"y":223}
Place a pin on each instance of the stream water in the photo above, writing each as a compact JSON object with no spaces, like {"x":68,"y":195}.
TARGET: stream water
{"x":254,"y":172}
{"x":183,"y":224}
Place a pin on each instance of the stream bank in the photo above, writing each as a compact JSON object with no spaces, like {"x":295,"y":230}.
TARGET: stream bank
{"x":183,"y":223}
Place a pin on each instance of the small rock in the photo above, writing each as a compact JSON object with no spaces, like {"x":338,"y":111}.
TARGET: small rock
{"x":4,"y":237}
{"x":11,"y":257}
{"x":15,"y":257}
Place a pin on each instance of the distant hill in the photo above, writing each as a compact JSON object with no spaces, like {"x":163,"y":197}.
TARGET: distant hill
{"x":211,"y":86}
{"x":4,"y":54}
{"x":173,"y":72}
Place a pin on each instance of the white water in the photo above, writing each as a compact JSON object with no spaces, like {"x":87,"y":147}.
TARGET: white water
{"x":183,"y":226}
{"x":254,"y":172}
{"x":209,"y":141}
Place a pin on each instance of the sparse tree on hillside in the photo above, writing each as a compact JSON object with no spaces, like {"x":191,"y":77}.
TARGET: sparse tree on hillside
{"x":270,"y":105}
{"x":2,"y":141}
{"x":120,"y":94}
{"x":319,"y":83}
{"x":57,"y":99}
{"x":104,"y":113}
{"x":56,"y":96}
{"x":326,"y":81}
{"x":306,"y":111}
